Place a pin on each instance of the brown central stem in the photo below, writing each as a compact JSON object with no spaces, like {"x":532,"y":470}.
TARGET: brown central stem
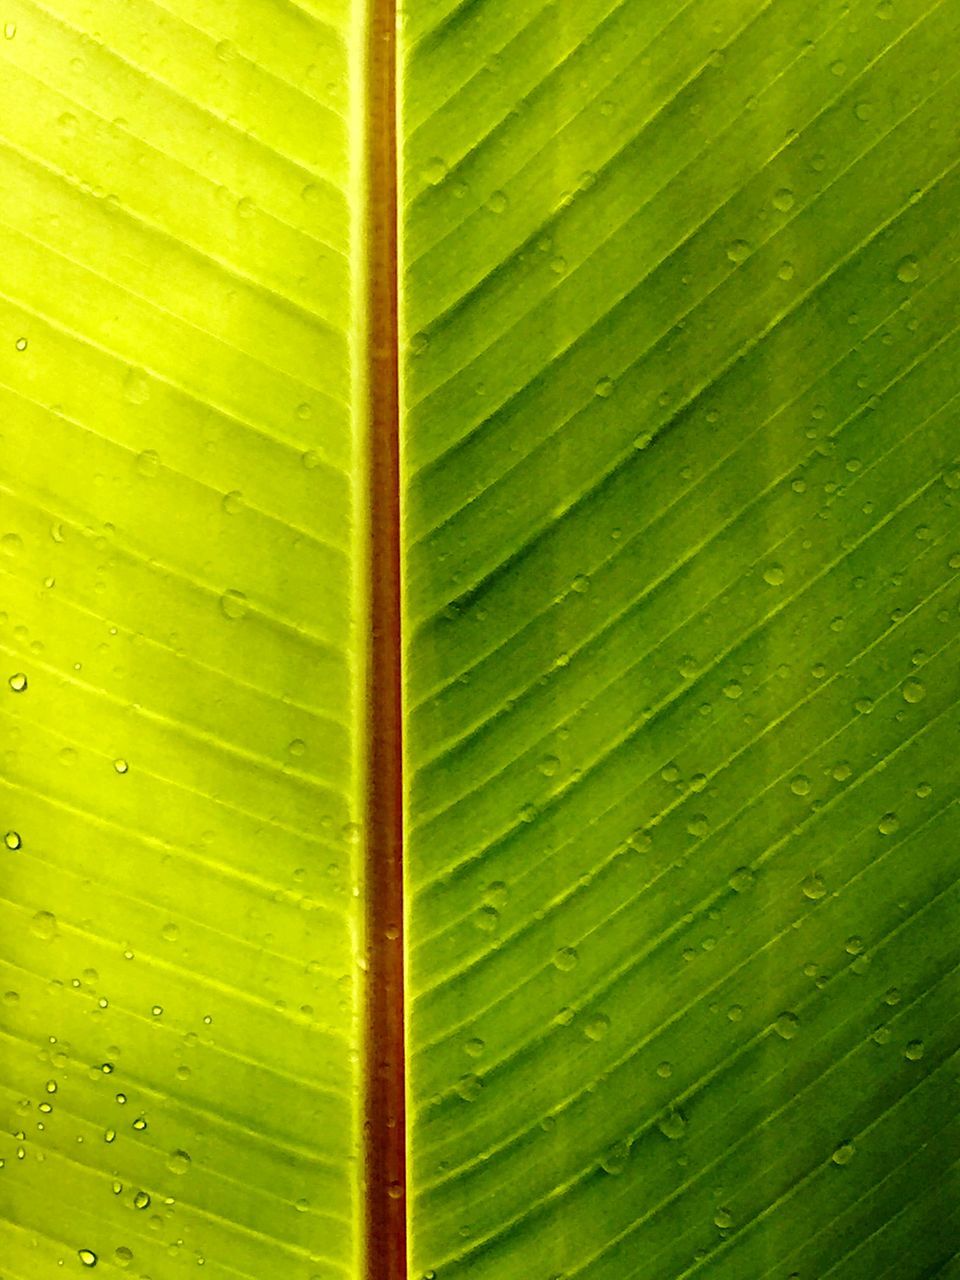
{"x":384,"y":1120}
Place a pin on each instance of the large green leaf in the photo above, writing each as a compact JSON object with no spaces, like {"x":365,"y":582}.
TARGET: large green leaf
{"x":681,"y":291}
{"x":178,"y":1052}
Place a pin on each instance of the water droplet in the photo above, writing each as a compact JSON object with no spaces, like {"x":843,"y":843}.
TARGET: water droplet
{"x":548,"y":766}
{"x":844,"y":1153}
{"x":908,"y":270}
{"x":232,"y":502}
{"x":469,"y":1087}
{"x":723,"y":1219}
{"x":741,"y":880}
{"x":140,"y":1124}
{"x":12,"y":840}
{"x":800,"y":785}
{"x":141,"y":1200}
{"x":18,"y":682}
{"x":565,"y":959}
{"x":497,"y":202}
{"x":10,"y":30}
{"x":914,"y":1050}
{"x":123,"y":1255}
{"x":486,"y":918}
{"x":604,"y":388}
{"x":698,"y":826}
{"x":233,"y":605}
{"x":44,"y":925}
{"x":87,"y":1257}
{"x":148,"y":462}
{"x":614,"y":1161}
{"x":121,"y":766}
{"x":738,"y":251}
{"x":672,"y":1125}
{"x":474,"y":1047}
{"x":597,"y":1027}
{"x":913,"y":691}
{"x":784,"y":199}
{"x":136,"y":386}
{"x":888,"y":824}
{"x":435,"y":170}
{"x":787,"y":1025}
{"x":110,"y":1135}
{"x":178,"y":1161}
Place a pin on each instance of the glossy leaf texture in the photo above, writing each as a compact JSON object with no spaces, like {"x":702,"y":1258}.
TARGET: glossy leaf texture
{"x":682,"y":503}
{"x":179,"y":1036}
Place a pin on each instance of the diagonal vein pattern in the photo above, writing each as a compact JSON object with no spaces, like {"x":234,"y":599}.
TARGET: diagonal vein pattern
{"x":182,"y":664}
{"x":680,"y":372}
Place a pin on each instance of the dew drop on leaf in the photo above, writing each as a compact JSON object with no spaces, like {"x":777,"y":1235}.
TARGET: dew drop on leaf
{"x":888,"y":824}
{"x":787,"y":1025}
{"x":597,"y":1027}
{"x":908,"y":270}
{"x":913,"y":691}
{"x":565,"y":958}
{"x":844,"y":1153}
{"x":723,"y":1219}
{"x":738,"y":251}
{"x":741,"y":880}
{"x":614,"y":1161}
{"x":672,"y":1125}
{"x":178,"y":1161}
{"x":469,"y":1087}
{"x":87,"y":1257}
{"x":914,"y":1050}
{"x":141,"y":1200}
{"x":12,"y":840}
{"x":233,"y":605}
{"x":18,"y":682}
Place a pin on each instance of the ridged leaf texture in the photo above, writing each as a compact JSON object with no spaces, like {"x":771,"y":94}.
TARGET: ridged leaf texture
{"x":681,"y":291}
{"x":680,"y":547}
{"x":178,"y":1046}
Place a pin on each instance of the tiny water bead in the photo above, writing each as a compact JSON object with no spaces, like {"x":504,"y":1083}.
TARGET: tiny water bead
{"x":604,"y":388}
{"x":908,"y":270}
{"x":18,"y":682}
{"x":12,"y":840}
{"x":233,"y":605}
{"x":784,"y":200}
{"x":738,"y":251}
{"x":742,"y":879}
{"x":141,"y":1200}
{"x":888,"y":824}
{"x":913,"y":691}
{"x":672,"y":1125}
{"x":787,"y":1025}
{"x":565,"y":959}
{"x":469,"y":1087}
{"x":121,"y":766}
{"x":597,"y":1027}
{"x":814,"y":887}
{"x":844,"y":1153}
{"x":914,"y":1051}
{"x":723,"y":1219}
{"x":87,"y":1257}
{"x":178,"y":1162}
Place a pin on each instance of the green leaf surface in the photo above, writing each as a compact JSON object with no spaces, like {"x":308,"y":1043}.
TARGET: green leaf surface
{"x":680,"y":297}
{"x":178,"y":1045}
